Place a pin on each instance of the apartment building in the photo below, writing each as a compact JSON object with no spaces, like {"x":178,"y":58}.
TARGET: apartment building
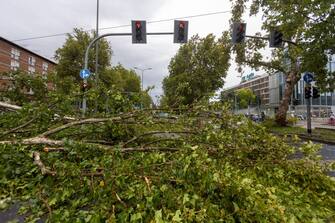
{"x":15,"y":57}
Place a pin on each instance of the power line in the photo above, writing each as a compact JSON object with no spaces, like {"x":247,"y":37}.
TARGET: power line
{"x":128,"y":25}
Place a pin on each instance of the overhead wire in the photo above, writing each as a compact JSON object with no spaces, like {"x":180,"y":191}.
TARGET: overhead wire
{"x":125,"y":25}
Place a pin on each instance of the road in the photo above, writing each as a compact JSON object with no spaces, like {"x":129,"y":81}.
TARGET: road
{"x":328,"y":154}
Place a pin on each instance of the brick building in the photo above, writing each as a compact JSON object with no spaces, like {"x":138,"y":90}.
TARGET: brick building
{"x":15,"y":57}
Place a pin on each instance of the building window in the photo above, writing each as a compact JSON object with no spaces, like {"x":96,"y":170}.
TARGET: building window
{"x":31,"y":61}
{"x":31,"y":70}
{"x":15,"y":54}
{"x":45,"y":68}
{"x":14,"y":65}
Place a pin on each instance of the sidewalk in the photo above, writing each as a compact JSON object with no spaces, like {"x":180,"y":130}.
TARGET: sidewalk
{"x":315,"y":124}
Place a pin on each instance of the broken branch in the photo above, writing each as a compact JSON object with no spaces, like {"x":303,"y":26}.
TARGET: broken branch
{"x":39,"y":163}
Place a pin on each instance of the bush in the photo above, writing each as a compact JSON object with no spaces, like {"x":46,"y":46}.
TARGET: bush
{"x":292,"y":121}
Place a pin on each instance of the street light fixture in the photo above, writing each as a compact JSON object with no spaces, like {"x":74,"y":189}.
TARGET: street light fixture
{"x":142,"y":71}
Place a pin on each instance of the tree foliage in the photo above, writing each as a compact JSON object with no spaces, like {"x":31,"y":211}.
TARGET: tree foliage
{"x":199,"y":164}
{"x":134,"y":166}
{"x":245,"y":97}
{"x":197,"y":70}
{"x":308,"y":25}
{"x":71,"y":55}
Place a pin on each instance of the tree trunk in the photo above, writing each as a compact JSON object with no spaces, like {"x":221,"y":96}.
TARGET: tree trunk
{"x":291,"y":79}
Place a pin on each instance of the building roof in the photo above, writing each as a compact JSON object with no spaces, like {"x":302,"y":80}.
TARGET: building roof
{"x":25,"y":49}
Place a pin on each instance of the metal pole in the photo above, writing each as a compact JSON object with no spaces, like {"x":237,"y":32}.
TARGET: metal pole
{"x":97,"y":46}
{"x":116,"y":34}
{"x":97,"y":56}
{"x":142,"y":81}
{"x":235,"y":107}
{"x":309,"y":121}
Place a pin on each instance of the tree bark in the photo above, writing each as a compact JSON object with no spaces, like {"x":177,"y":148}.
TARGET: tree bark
{"x":10,"y":106}
{"x":291,"y":79}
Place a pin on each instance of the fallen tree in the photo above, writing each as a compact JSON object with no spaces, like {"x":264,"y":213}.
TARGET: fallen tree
{"x":202,"y":166}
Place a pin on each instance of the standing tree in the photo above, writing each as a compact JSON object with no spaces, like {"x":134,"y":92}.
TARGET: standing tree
{"x":309,"y":28}
{"x":197,"y":70}
{"x":245,"y":97}
{"x":70,"y":56}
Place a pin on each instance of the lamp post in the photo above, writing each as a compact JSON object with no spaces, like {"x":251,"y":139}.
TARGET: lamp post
{"x":142,"y":71}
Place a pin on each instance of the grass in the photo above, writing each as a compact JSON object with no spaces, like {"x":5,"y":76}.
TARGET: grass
{"x":317,"y":134}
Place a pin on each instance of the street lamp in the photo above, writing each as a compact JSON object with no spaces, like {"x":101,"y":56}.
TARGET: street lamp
{"x":142,"y":71}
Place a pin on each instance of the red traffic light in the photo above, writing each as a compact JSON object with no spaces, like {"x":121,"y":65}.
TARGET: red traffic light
{"x":181,"y":24}
{"x":138,"y":24}
{"x":240,"y":28}
{"x":180,"y":31}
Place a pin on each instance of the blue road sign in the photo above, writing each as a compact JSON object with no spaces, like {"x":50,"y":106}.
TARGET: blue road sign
{"x":308,"y":77}
{"x":85,"y":73}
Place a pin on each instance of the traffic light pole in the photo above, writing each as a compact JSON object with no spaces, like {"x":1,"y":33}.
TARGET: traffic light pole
{"x":267,"y":38}
{"x":100,"y":37}
{"x":308,"y":99}
{"x":309,"y":121}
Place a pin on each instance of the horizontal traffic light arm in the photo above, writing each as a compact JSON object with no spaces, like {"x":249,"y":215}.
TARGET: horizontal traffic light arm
{"x":115,"y":34}
{"x":267,"y":38}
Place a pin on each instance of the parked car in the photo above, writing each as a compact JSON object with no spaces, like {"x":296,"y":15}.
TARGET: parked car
{"x":300,"y":117}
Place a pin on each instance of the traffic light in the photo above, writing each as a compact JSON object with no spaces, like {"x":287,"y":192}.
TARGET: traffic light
{"x":315,"y":92}
{"x":84,"y":86}
{"x":180,"y":31}
{"x":308,"y":92}
{"x":139,"y":31}
{"x":276,"y":39}
{"x":239,"y":30}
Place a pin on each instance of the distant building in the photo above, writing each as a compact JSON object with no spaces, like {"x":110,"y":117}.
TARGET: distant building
{"x":270,"y":89}
{"x":259,"y":84}
{"x":15,"y":57}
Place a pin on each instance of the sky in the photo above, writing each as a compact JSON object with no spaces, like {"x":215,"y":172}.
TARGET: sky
{"x":23,"y":19}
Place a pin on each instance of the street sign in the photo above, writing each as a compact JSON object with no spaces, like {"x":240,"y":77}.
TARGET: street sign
{"x":308,"y":77}
{"x":85,"y":73}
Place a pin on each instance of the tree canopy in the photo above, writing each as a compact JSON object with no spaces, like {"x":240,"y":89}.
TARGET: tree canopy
{"x":70,"y":56}
{"x":197,"y":70}
{"x":245,"y":97}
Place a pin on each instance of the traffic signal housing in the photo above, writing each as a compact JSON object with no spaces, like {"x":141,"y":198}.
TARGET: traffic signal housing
{"x":84,"y":86}
{"x":308,"y":92}
{"x":139,"y":31}
{"x":276,"y":39}
{"x":180,"y":31}
{"x":239,"y":30}
{"x":315,"y":92}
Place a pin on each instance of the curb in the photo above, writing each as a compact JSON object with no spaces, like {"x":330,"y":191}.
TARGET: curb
{"x":307,"y":137}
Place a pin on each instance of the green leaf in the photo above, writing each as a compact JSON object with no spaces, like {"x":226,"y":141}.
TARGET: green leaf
{"x":176,"y":216}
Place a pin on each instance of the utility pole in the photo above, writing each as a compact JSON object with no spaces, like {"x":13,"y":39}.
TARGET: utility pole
{"x":97,"y":47}
{"x":97,"y":55}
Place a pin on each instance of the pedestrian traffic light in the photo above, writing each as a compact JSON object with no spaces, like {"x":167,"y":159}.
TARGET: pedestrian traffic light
{"x":276,"y":39}
{"x":180,"y":31}
{"x":308,"y":92}
{"x":239,"y":30}
{"x":315,"y":92}
{"x":139,"y":31}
